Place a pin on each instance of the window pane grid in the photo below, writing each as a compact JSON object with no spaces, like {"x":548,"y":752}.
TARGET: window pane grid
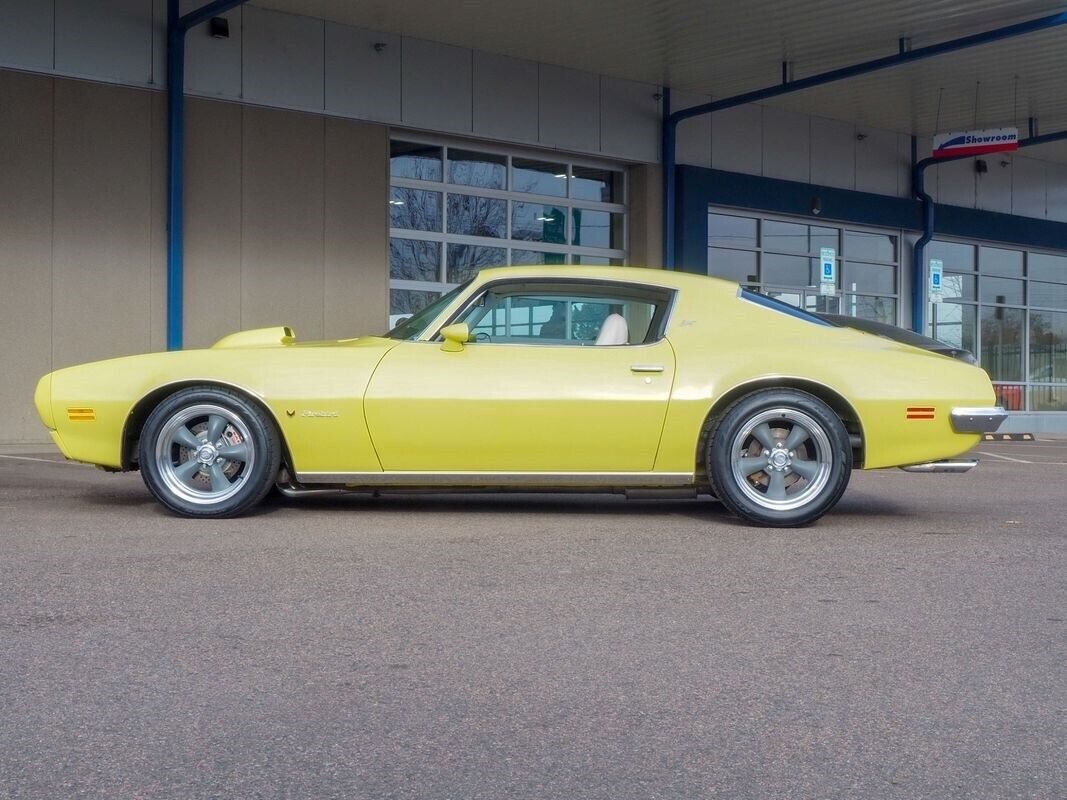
{"x":457,"y":209}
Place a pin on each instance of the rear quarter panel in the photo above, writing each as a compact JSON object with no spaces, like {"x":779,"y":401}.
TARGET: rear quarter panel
{"x":723,"y":342}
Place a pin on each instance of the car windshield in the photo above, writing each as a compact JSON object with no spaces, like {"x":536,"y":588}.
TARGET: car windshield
{"x":413,"y":326}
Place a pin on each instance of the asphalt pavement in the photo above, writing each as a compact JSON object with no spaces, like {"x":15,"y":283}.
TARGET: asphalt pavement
{"x":912,"y":644}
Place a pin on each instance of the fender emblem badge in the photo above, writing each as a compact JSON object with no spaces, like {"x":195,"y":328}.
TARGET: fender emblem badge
{"x":290,"y":412}
{"x":320,"y":414}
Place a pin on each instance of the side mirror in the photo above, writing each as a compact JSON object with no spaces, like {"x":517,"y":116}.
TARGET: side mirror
{"x":455,"y":337}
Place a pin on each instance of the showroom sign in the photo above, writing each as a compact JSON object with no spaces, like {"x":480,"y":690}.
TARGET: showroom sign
{"x":976,"y":143}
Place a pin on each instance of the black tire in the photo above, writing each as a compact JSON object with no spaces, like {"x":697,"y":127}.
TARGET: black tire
{"x":802,"y":477}
{"x":234,"y":444}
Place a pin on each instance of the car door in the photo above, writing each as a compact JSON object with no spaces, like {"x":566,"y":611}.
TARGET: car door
{"x":532,"y":391}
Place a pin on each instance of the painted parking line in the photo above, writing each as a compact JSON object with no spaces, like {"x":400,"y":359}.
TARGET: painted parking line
{"x":46,"y":461}
{"x":1006,"y":458}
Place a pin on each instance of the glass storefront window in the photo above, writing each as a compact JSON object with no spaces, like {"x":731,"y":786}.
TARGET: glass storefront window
{"x":879,"y":309}
{"x":785,"y":237}
{"x":956,"y":325}
{"x":1048,"y":347}
{"x":456,"y":210}
{"x":464,"y":260}
{"x":870,"y":246}
{"x":782,"y":270}
{"x":875,"y":278}
{"x":484,"y":170}
{"x":734,"y":265}
{"x":595,"y":228}
{"x":1043,"y":267}
{"x":957,"y":287}
{"x":1001,"y":290}
{"x":726,"y":230}
{"x":954,"y":256}
{"x":538,"y":177}
{"x":1048,"y":295}
{"x":533,"y":222}
{"x":477,"y":216}
{"x":1002,"y":332}
{"x":414,"y":260}
{"x":405,"y":302}
{"x":414,"y":209}
{"x":997,"y":261}
{"x":601,"y":185}
{"x":421,"y":162}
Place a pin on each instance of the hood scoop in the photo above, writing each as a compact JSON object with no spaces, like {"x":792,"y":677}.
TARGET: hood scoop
{"x":260,"y":337}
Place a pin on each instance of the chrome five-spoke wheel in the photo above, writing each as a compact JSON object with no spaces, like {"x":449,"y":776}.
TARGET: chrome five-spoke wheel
{"x":204,"y":453}
{"x":779,"y":457}
{"x":209,"y":452}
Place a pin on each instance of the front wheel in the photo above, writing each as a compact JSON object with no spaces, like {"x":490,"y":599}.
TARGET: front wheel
{"x":779,"y":458}
{"x":209,"y":452}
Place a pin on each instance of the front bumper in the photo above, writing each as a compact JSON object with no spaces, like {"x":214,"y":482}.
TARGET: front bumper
{"x":977,"y":420}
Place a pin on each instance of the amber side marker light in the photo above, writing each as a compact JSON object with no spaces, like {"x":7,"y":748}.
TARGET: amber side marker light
{"x":81,"y":414}
{"x":920,"y":412}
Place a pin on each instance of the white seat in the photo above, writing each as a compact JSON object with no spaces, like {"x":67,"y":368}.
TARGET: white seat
{"x":614,"y":331}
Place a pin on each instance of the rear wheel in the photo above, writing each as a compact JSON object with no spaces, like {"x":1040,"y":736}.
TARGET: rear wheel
{"x":779,"y":458}
{"x":208,"y":452}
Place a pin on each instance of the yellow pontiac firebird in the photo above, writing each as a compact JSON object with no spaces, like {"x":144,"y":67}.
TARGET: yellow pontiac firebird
{"x":642,"y":381}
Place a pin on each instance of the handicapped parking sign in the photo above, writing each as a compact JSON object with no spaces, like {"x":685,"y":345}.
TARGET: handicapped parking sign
{"x":828,"y":278}
{"x":936,"y":275}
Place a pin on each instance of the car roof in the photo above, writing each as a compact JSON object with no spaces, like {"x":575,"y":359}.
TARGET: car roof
{"x":646,"y":275}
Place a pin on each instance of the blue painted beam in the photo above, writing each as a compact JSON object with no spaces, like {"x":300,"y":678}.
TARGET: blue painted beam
{"x":177,"y":27}
{"x":904,"y":55}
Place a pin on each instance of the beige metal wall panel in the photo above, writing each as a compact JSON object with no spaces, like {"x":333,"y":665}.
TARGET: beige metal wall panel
{"x":102,"y":212}
{"x":283,"y":59}
{"x":213,"y":66}
{"x":1028,"y":188}
{"x":1056,"y":192}
{"x":629,"y":120}
{"x":436,"y":86}
{"x":569,"y":108}
{"x":833,"y":153}
{"x":25,"y":249}
{"x":26,"y":28}
{"x":646,"y":215}
{"x":505,"y":97}
{"x":282,"y":221}
{"x":955,"y":183}
{"x":362,"y":73}
{"x":157,"y":316}
{"x":786,"y":145}
{"x":356,"y":228}
{"x":737,"y":140}
{"x":694,"y":135}
{"x":878,"y":167}
{"x":213,"y":294}
{"x":993,"y":188}
{"x":109,"y":39}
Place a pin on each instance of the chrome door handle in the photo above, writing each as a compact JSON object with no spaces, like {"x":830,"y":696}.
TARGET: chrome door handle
{"x":646,"y":368}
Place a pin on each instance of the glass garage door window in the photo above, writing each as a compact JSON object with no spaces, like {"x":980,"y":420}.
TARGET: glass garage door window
{"x":781,"y":257}
{"x":454,"y":210}
{"x":1009,"y":308}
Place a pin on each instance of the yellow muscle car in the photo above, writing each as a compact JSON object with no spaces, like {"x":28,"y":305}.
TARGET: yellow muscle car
{"x":643,"y":381}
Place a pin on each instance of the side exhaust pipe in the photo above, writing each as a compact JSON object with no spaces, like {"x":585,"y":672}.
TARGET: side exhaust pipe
{"x":956,"y":466}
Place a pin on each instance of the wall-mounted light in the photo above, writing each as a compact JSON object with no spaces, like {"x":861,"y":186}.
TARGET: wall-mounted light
{"x":980,"y":166}
{"x":860,"y":137}
{"x":380,"y":46}
{"x":816,"y":205}
{"x":219,"y":28}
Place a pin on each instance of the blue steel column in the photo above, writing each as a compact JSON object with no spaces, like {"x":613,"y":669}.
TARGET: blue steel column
{"x":177,"y":27}
{"x":175,"y":175}
{"x":669,"y":132}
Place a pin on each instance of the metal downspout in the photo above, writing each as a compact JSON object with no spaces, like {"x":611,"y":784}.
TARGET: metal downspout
{"x":904,"y":55}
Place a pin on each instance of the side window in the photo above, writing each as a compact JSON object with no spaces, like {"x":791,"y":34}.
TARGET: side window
{"x":576,"y":315}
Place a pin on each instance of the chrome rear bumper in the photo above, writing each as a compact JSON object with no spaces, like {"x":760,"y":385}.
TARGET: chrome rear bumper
{"x":977,"y":420}
{"x":956,"y":465}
